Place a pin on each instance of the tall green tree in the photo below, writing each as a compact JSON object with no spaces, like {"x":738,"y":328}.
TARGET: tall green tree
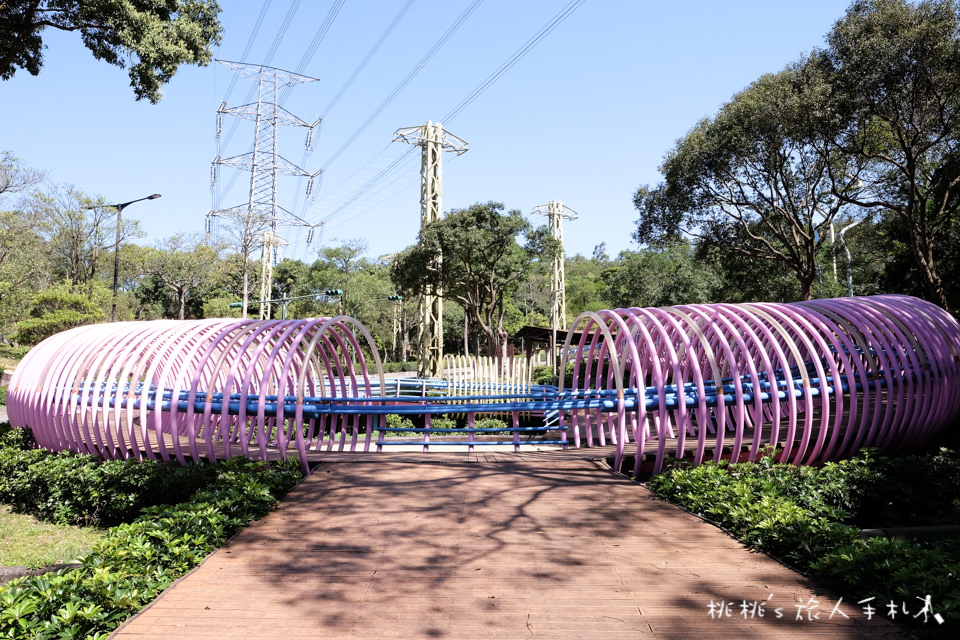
{"x":338,"y":267}
{"x":659,"y":277}
{"x":15,"y":177}
{"x":365,"y":284}
{"x":157,"y":36}
{"x":586,"y":287}
{"x":759,"y":179}
{"x":24,"y":266}
{"x":896,"y":66}
{"x":80,"y":232}
{"x":186,"y":266}
{"x":475,"y":257}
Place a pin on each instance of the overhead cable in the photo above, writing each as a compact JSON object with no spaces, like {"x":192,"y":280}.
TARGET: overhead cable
{"x":406,"y":80}
{"x":552,"y":24}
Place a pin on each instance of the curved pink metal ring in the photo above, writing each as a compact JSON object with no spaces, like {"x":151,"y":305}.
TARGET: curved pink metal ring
{"x":173,"y":390}
{"x":813,"y":380}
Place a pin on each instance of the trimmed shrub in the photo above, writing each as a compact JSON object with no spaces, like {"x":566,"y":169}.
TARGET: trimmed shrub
{"x":136,"y":561}
{"x":812,"y":517}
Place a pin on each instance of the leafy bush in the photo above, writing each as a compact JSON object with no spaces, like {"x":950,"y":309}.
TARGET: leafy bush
{"x":64,"y":488}
{"x":399,"y":367}
{"x":406,"y":424}
{"x":136,"y":561}
{"x":491,"y":423}
{"x":395,"y":421}
{"x":544,"y":375}
{"x":13,"y":353}
{"x":894,"y":570}
{"x":440,"y":422}
{"x":772,"y":507}
{"x":812,"y":517}
{"x":913,"y":490}
{"x":57,"y":309}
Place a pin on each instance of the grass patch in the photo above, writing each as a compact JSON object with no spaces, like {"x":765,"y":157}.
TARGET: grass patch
{"x":27,"y":542}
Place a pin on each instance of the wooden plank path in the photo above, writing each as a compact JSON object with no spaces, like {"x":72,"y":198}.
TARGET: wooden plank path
{"x":487,"y":545}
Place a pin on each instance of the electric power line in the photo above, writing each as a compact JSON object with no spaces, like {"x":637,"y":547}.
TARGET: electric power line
{"x":287,"y":21}
{"x":366,"y":59}
{"x":315,"y":43}
{"x":516,"y":57}
{"x":544,"y":31}
{"x":246,"y":49}
{"x":406,"y":80}
{"x":343,"y":89}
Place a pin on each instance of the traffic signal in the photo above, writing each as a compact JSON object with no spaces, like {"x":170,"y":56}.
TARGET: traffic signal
{"x":395,"y":298}
{"x":236,"y":305}
{"x":333,"y":292}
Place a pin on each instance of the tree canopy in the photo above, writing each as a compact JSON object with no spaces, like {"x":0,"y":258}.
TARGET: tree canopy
{"x":657,"y":278}
{"x":157,"y":36}
{"x":473,"y":256}
{"x":897,"y":65}
{"x":872,"y":121}
{"x":183,"y":265}
{"x":759,"y":179}
{"x":15,"y":177}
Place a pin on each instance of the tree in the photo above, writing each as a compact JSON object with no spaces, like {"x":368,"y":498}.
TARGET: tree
{"x":661,"y":277}
{"x":184,"y":265}
{"x":14,"y":177}
{"x":759,"y":179}
{"x":159,"y":35}
{"x":474,"y":257}
{"x":586,"y":287}
{"x":292,"y":278}
{"x":338,"y":268}
{"x":365,"y":284}
{"x":897,"y":65}
{"x":24,"y":265}
{"x":777,"y":282}
{"x":60,"y":308}
{"x":244,"y":231}
{"x":79,"y":232}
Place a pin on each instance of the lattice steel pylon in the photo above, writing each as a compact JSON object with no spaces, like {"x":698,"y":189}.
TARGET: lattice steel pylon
{"x":269,"y":240}
{"x":261,"y":217}
{"x":434,"y":141}
{"x":556,"y":212}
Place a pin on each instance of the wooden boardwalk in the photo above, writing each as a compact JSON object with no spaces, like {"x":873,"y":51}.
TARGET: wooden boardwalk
{"x":488,"y":545}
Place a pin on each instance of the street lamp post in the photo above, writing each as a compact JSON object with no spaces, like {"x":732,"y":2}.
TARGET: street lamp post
{"x":116,"y":250}
{"x":847,"y":251}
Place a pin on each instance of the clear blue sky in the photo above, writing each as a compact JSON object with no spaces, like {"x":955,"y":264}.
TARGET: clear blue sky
{"x":585,"y":117}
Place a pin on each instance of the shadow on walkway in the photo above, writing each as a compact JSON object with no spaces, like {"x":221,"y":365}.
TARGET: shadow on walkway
{"x":555,"y":548}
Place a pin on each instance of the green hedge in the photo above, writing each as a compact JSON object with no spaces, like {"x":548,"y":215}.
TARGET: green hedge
{"x":136,"y":560}
{"x":68,"y":489}
{"x":811,"y":517}
{"x":399,"y":367}
{"x":14,"y":353}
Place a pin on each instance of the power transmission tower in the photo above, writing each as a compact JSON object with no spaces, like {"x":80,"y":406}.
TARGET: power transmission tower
{"x":269,"y":241}
{"x":434,"y":141}
{"x":556,"y":213}
{"x":261,"y":217}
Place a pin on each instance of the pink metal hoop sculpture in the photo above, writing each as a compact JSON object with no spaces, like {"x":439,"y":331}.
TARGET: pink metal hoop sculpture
{"x":195,"y":388}
{"x":816,"y":379}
